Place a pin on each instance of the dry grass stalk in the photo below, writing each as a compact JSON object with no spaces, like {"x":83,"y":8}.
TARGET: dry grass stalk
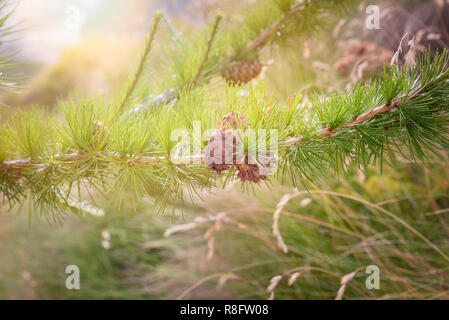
{"x":344,"y":281}
{"x":272,"y":286}
{"x":200,"y":282}
{"x":224,"y":279}
{"x":293,"y":278}
{"x":410,"y":54}
{"x":276,"y":216}
{"x":210,"y":234}
{"x":180,"y":228}
{"x":198,"y":221}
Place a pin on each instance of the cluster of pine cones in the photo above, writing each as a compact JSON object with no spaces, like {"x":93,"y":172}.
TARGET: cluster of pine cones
{"x":224,"y":151}
{"x":243,"y":72}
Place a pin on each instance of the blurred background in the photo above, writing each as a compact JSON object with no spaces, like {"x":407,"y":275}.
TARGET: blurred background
{"x":222,"y":246}
{"x":87,"y":45}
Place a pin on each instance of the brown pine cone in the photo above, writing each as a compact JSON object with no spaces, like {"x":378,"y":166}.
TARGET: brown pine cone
{"x":222,"y":150}
{"x":250,"y":172}
{"x":243,"y":72}
{"x":257,"y":172}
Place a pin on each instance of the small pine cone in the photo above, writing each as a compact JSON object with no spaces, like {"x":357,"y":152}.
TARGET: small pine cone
{"x":243,"y":72}
{"x":250,"y":172}
{"x":266,"y":164}
{"x":222,"y":151}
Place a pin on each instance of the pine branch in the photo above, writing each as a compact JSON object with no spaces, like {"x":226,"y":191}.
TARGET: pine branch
{"x":24,"y":163}
{"x":253,"y":46}
{"x":218,"y":18}
{"x":385,"y":108}
{"x":157,"y":18}
{"x":263,"y":38}
{"x":406,"y":111}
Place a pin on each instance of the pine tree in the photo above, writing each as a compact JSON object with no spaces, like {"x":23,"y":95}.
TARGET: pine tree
{"x":118,"y":146}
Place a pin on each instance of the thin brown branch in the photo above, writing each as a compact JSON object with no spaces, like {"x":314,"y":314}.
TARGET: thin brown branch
{"x":257,"y":43}
{"x":218,"y":18}
{"x":156,"y":20}
{"x":19,"y":164}
{"x":266,"y":34}
{"x":387,"y":107}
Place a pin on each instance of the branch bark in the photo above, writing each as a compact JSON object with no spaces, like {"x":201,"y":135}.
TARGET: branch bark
{"x":181,"y":162}
{"x":139,"y":71}
{"x":209,"y":46}
{"x":258,"y":42}
{"x":387,"y":107}
{"x":23,"y":163}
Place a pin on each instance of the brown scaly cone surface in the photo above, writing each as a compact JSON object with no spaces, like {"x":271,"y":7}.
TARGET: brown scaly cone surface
{"x":243,"y":72}
{"x":224,"y":151}
{"x":256,"y":169}
{"x":250,"y":172}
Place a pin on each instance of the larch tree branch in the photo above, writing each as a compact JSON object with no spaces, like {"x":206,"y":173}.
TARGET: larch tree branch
{"x":256,"y":44}
{"x":218,"y":18}
{"x":385,"y":108}
{"x":157,"y":18}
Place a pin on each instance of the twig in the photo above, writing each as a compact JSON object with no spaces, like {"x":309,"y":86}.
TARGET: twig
{"x":22,"y":163}
{"x":344,"y":282}
{"x":163,"y":98}
{"x":387,"y":107}
{"x":255,"y":44}
{"x":265,"y":35}
{"x":200,"y":282}
{"x":182,"y":161}
{"x":156,"y":20}
{"x":218,"y":18}
{"x":276,"y":217}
